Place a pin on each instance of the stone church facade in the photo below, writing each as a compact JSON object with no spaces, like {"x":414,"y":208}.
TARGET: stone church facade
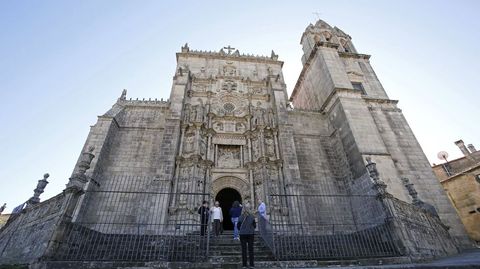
{"x":230,"y":129}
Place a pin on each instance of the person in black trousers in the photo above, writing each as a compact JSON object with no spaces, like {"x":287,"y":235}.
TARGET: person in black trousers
{"x":246,"y":225}
{"x":204,"y":212}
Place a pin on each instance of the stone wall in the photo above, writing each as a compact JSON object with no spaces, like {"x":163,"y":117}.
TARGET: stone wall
{"x":26,"y":237}
{"x":135,"y":148}
{"x":410,"y":162}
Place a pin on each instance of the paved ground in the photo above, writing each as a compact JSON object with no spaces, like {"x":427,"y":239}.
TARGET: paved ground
{"x":467,"y":259}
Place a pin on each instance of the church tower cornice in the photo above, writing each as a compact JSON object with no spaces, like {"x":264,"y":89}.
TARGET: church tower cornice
{"x":236,"y":55}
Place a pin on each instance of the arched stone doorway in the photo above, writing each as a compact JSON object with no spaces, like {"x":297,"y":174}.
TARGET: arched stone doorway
{"x":226,"y":197}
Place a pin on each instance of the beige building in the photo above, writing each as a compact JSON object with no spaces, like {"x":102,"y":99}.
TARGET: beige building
{"x":461,"y":180}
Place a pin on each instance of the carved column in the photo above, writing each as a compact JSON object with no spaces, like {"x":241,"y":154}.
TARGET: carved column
{"x":175,"y":183}
{"x":182,"y":136}
{"x":197,"y":139}
{"x":275,"y":139}
{"x":241,"y":156}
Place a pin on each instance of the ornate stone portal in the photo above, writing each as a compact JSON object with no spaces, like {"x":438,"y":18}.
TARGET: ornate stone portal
{"x":229,"y":125}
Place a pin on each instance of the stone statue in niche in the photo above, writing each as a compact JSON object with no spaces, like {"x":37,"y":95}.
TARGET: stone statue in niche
{"x":200,"y":112}
{"x":270,"y":148}
{"x":258,"y":116}
{"x":193,"y":113}
{"x":189,"y":139}
{"x":186,"y":113}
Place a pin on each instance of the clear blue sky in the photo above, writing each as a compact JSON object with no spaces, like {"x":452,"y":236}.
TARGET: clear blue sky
{"x":62,"y":63}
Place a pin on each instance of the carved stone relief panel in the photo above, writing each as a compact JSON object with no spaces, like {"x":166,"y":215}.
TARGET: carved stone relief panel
{"x":229,"y":70}
{"x":228,"y":86}
{"x":196,"y":88}
{"x":229,"y":156}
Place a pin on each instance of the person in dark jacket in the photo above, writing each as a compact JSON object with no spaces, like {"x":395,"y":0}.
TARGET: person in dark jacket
{"x":204,"y":212}
{"x":235,"y":213}
{"x":247,"y":225}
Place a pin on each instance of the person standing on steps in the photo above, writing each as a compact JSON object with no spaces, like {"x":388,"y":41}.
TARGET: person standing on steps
{"x":235,"y":213}
{"x":204,"y":212}
{"x":247,"y":225}
{"x":217,"y":217}
{"x":262,"y":209}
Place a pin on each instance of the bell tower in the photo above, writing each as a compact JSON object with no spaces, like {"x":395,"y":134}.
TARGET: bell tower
{"x":340,"y":83}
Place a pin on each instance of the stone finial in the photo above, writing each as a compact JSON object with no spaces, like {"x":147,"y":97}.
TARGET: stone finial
{"x":185,"y":48}
{"x":274,"y":56}
{"x":79,"y":178}
{"x":124,"y":95}
{"x":416,"y":201}
{"x":3,"y":207}
{"x":378,"y":184}
{"x":42,"y":183}
{"x":411,"y":189}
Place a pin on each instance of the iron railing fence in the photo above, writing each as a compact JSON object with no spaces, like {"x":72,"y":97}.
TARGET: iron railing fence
{"x":135,"y":219}
{"x":327,"y":227}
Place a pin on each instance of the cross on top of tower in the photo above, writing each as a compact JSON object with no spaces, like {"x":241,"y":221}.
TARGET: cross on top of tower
{"x":230,"y":49}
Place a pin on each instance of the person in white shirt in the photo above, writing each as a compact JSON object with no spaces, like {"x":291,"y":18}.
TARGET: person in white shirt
{"x":262,"y":209}
{"x":217,"y":217}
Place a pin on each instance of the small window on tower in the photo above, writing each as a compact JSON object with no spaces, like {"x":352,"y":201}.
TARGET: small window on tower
{"x":359,"y":87}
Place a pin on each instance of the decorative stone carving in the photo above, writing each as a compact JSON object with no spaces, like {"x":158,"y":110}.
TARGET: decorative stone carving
{"x":416,"y":201}
{"x":237,"y":100}
{"x":271,"y":118}
{"x":378,"y":184}
{"x":255,"y":149}
{"x":258,"y":116}
{"x":229,"y":86}
{"x":229,"y":70}
{"x":199,"y":113}
{"x":189,"y":143}
{"x":42,"y":183}
{"x":79,"y":178}
{"x":270,"y":147}
{"x":231,"y":182}
{"x":186,"y":113}
{"x":229,"y":156}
